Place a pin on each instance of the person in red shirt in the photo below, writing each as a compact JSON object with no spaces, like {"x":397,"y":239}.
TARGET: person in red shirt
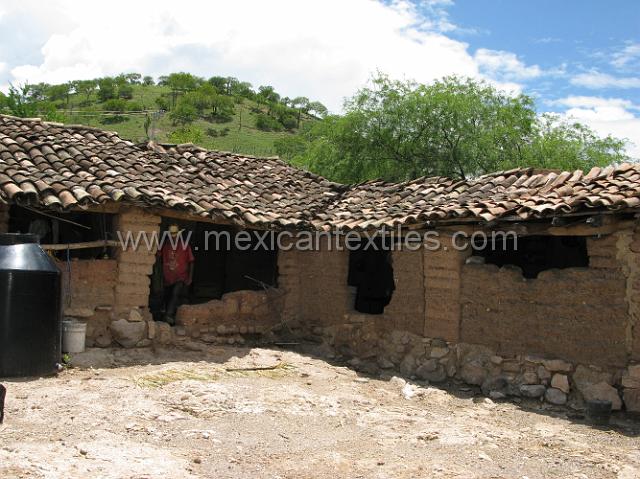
{"x":177,"y":271}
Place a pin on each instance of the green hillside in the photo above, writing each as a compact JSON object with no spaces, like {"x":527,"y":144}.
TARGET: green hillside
{"x":178,"y":109}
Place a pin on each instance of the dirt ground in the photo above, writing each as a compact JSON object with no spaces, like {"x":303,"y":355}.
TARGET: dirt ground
{"x":197,"y":414}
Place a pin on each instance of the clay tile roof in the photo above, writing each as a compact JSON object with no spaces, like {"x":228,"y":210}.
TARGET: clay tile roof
{"x":60,"y":167}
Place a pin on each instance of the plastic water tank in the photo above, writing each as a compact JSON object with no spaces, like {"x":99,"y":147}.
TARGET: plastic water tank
{"x":29,"y":308}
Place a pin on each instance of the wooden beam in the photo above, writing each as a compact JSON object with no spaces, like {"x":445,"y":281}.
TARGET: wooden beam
{"x":85,"y":245}
{"x":587,"y":230}
{"x":186,"y":216}
{"x":609,"y":225}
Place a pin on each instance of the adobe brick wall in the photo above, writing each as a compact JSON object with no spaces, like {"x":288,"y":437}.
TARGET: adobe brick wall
{"x":578,"y":314}
{"x":289,"y":264}
{"x":317,"y":294}
{"x":90,"y":295}
{"x":628,"y":246}
{"x":92,"y":283}
{"x":406,"y":311}
{"x":134,"y":267}
{"x":323,"y":296}
{"x":442,"y":287}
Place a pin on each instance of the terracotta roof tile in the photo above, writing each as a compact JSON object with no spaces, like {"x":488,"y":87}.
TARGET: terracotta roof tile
{"x":61,"y":167}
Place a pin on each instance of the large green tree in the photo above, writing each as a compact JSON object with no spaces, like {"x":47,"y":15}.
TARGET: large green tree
{"x":453,"y":127}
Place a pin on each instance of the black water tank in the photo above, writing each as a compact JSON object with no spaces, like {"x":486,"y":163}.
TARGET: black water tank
{"x":29,"y":308}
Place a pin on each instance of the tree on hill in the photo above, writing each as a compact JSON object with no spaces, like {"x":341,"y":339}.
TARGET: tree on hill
{"x":243,"y":89}
{"x":301,"y":104}
{"x":133,"y":78}
{"x":86,"y":88}
{"x":454,"y":127}
{"x":59,"y":93}
{"x":38,"y":92}
{"x":184,"y":113}
{"x":267,"y":96}
{"x":225,"y":85}
{"x":107,"y":89}
{"x":318,"y":108}
{"x":180,"y":83}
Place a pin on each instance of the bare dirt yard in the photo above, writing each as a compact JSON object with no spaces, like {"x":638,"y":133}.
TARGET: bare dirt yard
{"x":216,"y":413}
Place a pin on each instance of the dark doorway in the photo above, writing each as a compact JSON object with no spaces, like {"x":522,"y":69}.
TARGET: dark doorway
{"x":371,"y":272}
{"x":220,"y":266}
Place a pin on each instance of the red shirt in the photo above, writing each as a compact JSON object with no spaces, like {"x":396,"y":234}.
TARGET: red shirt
{"x":175,"y":263}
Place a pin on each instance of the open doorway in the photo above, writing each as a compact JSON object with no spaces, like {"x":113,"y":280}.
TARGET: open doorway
{"x":219,"y":265}
{"x":371,"y":272}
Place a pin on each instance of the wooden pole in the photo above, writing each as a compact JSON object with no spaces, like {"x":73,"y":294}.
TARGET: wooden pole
{"x":87,"y":244}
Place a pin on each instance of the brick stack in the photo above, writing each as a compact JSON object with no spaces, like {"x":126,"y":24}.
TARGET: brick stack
{"x":442,"y":270}
{"x":289,"y":284}
{"x":92,"y":283}
{"x":406,"y":309}
{"x":324,"y":294}
{"x":135,"y":266}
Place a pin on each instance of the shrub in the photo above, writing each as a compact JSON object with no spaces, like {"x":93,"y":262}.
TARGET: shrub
{"x":267,"y":123}
{"x":289,"y":122}
{"x":186,"y":134}
{"x":115,"y":105}
{"x":183,"y":113}
{"x":134,"y":106}
{"x":125,"y":91}
{"x":162,"y":103}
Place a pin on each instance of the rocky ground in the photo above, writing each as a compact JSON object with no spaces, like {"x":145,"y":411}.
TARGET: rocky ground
{"x":234,"y":413}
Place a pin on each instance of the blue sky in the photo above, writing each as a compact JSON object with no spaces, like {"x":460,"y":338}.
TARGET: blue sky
{"x":589,"y":44}
{"x":580,"y":59}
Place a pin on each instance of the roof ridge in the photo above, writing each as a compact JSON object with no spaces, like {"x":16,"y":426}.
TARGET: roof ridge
{"x":70,"y":126}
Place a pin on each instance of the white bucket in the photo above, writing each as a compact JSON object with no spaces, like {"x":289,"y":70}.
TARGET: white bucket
{"x":73,"y":336}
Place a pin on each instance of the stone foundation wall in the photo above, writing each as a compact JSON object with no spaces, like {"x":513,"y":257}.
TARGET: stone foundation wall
{"x":434,"y":360}
{"x":233,"y":317}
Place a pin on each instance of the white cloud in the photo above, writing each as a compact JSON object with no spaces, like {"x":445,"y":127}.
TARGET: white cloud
{"x":627,"y":55}
{"x":596,"y":80}
{"x":544,"y":40}
{"x":502,"y":64}
{"x":323,"y":49}
{"x":578,"y":101}
{"x":607,"y":116}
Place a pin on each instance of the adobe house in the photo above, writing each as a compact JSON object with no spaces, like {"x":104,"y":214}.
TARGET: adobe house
{"x":554,"y":318}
